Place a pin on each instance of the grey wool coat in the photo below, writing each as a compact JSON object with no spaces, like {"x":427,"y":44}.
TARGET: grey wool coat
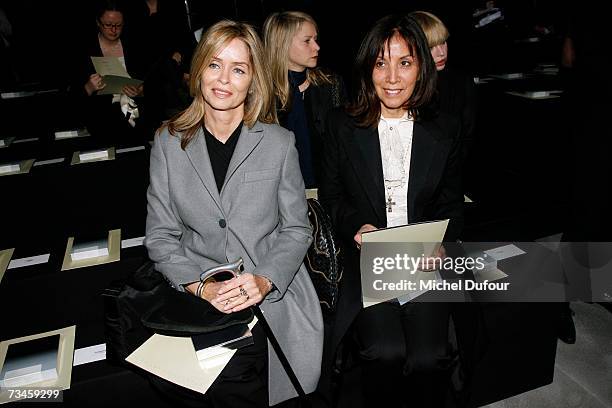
{"x":260,"y":215}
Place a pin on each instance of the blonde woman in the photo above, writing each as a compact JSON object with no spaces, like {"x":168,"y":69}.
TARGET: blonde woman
{"x":304,"y":93}
{"x":225,"y":183}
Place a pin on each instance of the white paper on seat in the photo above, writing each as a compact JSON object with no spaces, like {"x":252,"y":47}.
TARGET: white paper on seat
{"x":50,"y":161}
{"x":503,"y":252}
{"x":40,"y":367}
{"x":89,"y":354}
{"x":63,"y":360}
{"x":132,"y":242}
{"x":9,"y":168}
{"x":72,"y":133}
{"x":29,"y":139}
{"x":100,"y":154}
{"x":130,"y":149}
{"x":29,"y":261}
{"x":89,"y":250}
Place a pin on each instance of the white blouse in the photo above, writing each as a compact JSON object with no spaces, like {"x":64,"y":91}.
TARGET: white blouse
{"x":395,"y":136}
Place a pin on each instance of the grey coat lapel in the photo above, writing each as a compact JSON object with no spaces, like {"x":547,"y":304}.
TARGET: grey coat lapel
{"x":200,"y":160}
{"x":248,"y":140}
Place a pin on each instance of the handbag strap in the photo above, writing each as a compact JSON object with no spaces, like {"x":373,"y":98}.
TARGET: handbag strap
{"x":279,"y":352}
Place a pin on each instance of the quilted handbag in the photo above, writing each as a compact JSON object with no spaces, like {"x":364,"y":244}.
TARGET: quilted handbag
{"x":324,"y":258}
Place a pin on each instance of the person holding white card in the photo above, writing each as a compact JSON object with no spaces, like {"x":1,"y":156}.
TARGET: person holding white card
{"x":103,"y":113}
{"x":226,"y":184}
{"x":389,"y":161}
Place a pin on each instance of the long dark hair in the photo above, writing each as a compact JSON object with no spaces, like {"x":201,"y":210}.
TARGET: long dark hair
{"x":366,"y":107}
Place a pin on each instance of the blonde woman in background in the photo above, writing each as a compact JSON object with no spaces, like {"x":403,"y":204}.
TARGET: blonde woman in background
{"x":456,"y":90}
{"x":304,"y":92}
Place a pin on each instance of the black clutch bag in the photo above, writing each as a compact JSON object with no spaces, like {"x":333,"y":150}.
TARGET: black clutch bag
{"x":147,"y":304}
{"x":324,"y":258}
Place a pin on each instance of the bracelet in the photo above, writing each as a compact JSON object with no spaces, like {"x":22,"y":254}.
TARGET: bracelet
{"x":198,"y":291}
{"x":202,"y":285}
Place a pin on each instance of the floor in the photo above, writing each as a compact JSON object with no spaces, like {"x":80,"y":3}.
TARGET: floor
{"x":583,"y":371}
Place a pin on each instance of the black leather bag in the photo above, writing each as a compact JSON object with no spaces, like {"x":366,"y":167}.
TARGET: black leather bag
{"x":146,"y":304}
{"x":324,"y":258}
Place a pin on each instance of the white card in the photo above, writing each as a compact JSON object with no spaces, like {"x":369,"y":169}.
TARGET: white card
{"x":9,"y":168}
{"x":86,"y":253}
{"x":27,"y":375}
{"x":13,"y":95}
{"x":88,"y":250}
{"x":503,"y":252}
{"x":132,"y":242}
{"x":89,"y":354}
{"x":69,"y":134}
{"x":50,"y":161}
{"x":66,"y":134}
{"x":130,"y":149}
{"x":30,"y":139}
{"x":101,"y":154}
{"x":31,"y":260}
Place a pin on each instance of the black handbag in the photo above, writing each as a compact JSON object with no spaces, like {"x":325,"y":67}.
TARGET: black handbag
{"x":324,"y":258}
{"x":147,"y":304}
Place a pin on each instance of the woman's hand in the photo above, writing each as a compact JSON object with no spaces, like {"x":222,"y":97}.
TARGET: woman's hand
{"x":210,"y":293}
{"x":243,"y":291}
{"x":364,"y":228}
{"x":95,"y":83}
{"x":133,"y":90}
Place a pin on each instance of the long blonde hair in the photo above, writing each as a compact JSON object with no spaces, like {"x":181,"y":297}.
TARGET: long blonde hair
{"x":259,"y":104}
{"x":278,"y":32}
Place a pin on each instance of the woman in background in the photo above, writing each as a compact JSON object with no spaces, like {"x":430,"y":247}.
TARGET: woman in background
{"x":304,"y":92}
{"x":106,"y":115}
{"x":456,"y":90}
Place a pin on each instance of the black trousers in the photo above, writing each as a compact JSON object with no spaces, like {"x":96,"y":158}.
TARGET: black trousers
{"x":405,"y":354}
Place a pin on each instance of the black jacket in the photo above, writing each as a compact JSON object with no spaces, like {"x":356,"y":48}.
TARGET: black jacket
{"x":319,"y":100}
{"x":352,"y":190}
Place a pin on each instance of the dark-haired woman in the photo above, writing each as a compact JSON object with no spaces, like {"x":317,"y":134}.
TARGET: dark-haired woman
{"x":388,"y":162}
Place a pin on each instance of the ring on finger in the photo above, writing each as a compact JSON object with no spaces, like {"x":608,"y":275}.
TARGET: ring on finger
{"x":244,"y":292}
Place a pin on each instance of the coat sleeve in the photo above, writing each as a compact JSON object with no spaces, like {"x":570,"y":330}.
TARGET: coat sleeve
{"x":287,"y":252}
{"x":163,"y":228}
